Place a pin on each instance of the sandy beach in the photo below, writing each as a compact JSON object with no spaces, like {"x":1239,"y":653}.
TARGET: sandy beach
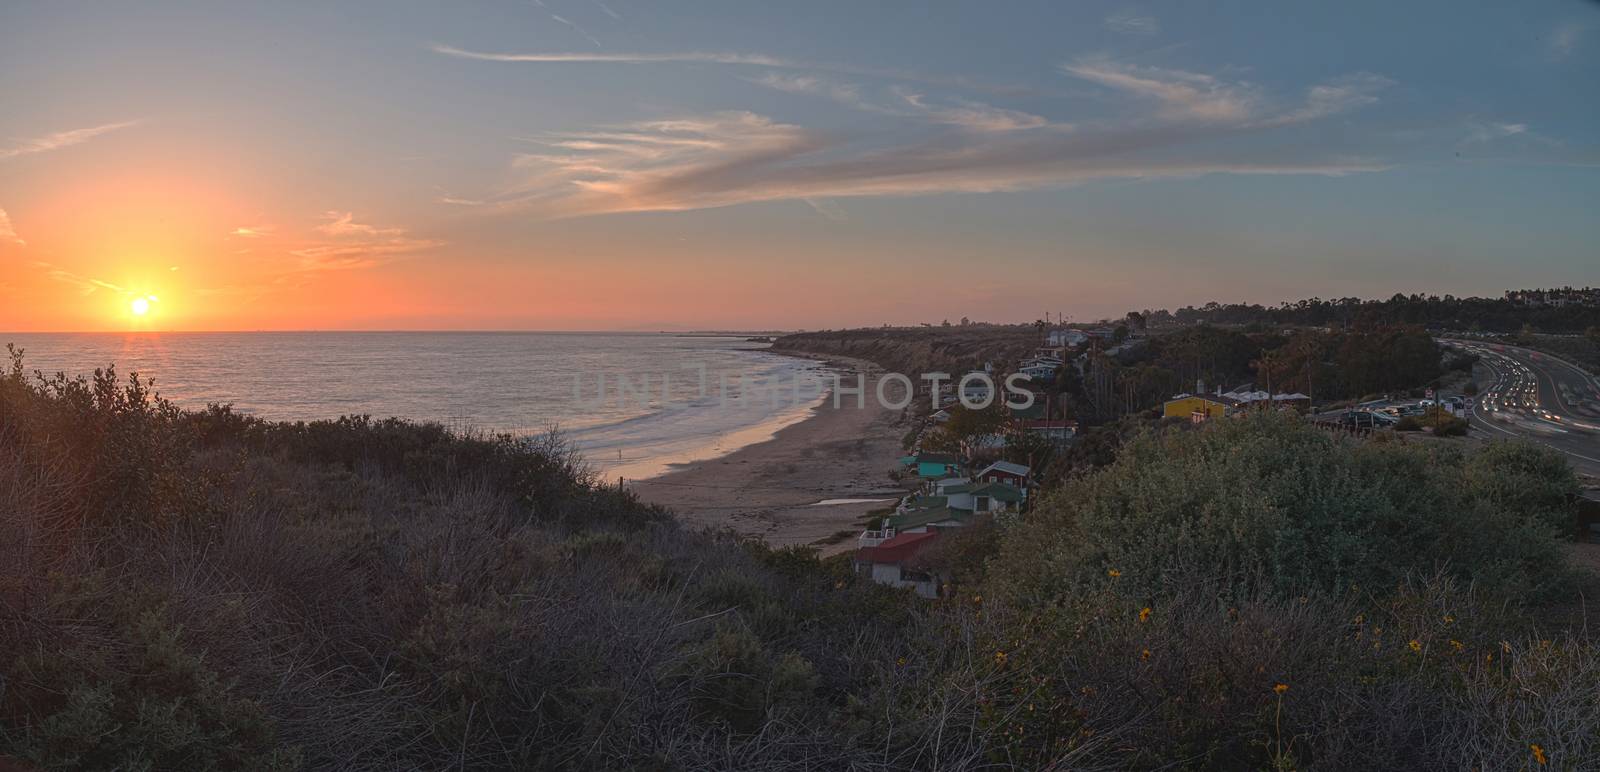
{"x":771,"y":489}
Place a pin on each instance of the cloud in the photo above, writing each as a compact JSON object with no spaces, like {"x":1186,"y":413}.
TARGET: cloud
{"x":86,"y":285}
{"x":737,"y":157}
{"x":1182,"y":94}
{"x":344,"y":224}
{"x":606,"y":9}
{"x":967,"y":114}
{"x":843,"y":93}
{"x":1342,"y":95}
{"x":729,"y":59}
{"x":251,"y":231}
{"x":60,"y":140}
{"x":1133,"y":23}
{"x":579,"y":29}
{"x":9,"y":233}
{"x":975,"y":115}
{"x":701,"y":57}
{"x":1565,"y":38}
{"x":355,"y":245}
{"x":1193,"y":96}
{"x":827,"y":208}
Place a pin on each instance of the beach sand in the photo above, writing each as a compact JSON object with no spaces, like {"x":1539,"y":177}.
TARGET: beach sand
{"x":771,"y":489}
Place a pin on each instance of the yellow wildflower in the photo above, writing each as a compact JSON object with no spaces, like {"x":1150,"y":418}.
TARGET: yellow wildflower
{"x":1415,"y":645}
{"x":1449,"y":619}
{"x":1113,"y":573}
{"x":1144,"y":614}
{"x":977,"y":600}
{"x":999,"y":658}
{"x":1538,"y":754}
{"x":901,"y":662}
{"x":1457,"y":645}
{"x":1280,"y":688}
{"x":1143,"y":655}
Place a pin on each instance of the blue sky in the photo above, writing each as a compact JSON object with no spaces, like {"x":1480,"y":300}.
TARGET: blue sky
{"x":579,"y":164}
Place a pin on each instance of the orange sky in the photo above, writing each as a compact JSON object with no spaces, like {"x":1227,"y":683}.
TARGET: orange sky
{"x":556,"y":166}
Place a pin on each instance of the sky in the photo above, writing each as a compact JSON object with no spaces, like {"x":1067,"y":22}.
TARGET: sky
{"x":634,"y":165}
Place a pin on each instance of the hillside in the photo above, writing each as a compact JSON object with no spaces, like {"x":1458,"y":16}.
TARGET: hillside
{"x":919,"y":350}
{"x":186,"y":590}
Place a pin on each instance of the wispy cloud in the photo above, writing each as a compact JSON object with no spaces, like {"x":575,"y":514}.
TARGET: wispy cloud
{"x":703,"y":57}
{"x":1181,"y":94}
{"x":251,"y":231}
{"x":964,"y":113}
{"x":578,"y":28}
{"x":1565,"y":38}
{"x":8,"y":233}
{"x":86,"y":285}
{"x":344,"y":224}
{"x":606,"y":9}
{"x":1342,"y":95}
{"x":59,"y":140}
{"x":1192,"y":96}
{"x":1133,"y":23}
{"x":353,"y":245}
{"x":732,"y":158}
{"x":974,"y":115}
{"x":730,"y":59}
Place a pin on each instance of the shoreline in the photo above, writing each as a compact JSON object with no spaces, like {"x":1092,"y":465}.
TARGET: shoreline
{"x":772,"y":489}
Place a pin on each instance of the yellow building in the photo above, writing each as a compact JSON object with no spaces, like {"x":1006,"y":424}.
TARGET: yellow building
{"x":1198,"y":407}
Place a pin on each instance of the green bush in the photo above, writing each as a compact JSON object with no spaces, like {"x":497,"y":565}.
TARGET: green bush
{"x":1269,"y":503}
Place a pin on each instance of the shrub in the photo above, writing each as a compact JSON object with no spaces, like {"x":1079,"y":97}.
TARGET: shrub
{"x":1269,"y":503}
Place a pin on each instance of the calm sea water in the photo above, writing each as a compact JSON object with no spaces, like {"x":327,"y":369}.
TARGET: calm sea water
{"x":518,"y":382}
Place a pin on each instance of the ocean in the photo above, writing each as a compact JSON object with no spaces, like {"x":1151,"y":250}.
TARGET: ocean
{"x":633,"y":404}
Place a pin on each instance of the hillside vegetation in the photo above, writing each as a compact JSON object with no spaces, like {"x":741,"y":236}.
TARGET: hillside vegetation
{"x":189,"y":590}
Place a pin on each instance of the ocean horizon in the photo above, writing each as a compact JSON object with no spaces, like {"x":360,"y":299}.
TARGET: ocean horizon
{"x":634,"y":404}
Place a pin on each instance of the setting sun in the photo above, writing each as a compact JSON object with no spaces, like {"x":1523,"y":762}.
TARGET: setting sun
{"x":141,"y":305}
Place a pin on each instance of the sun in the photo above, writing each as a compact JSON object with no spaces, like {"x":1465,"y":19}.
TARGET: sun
{"x":140,"y":306}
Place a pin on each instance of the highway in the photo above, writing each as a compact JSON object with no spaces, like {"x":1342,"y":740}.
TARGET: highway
{"x":1537,"y":397}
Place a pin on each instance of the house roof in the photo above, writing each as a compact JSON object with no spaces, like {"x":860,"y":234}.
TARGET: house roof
{"x":1035,"y":410}
{"x":1220,"y":399}
{"x":937,"y":458}
{"x":926,"y":502}
{"x":920,"y":517}
{"x":1041,"y":423}
{"x":897,"y":549}
{"x":1005,"y":466}
{"x":999,"y":491}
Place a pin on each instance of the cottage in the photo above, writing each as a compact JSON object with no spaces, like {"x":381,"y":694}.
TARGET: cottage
{"x":1059,"y":338}
{"x":1199,"y":407}
{"x":886,"y":563}
{"x":1039,"y":371}
{"x":997,"y":497}
{"x":1055,"y":431}
{"x":985,"y":498}
{"x":935,"y":465}
{"x":1005,"y":473}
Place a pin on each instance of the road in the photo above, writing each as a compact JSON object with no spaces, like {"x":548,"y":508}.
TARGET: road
{"x":1538,"y":397}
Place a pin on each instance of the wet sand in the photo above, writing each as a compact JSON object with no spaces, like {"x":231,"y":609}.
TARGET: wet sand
{"x":771,"y":489}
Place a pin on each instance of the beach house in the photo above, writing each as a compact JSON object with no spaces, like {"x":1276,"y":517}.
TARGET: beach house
{"x":935,"y":465}
{"x":890,"y":563}
{"x":1199,"y":407}
{"x":1005,"y":473}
